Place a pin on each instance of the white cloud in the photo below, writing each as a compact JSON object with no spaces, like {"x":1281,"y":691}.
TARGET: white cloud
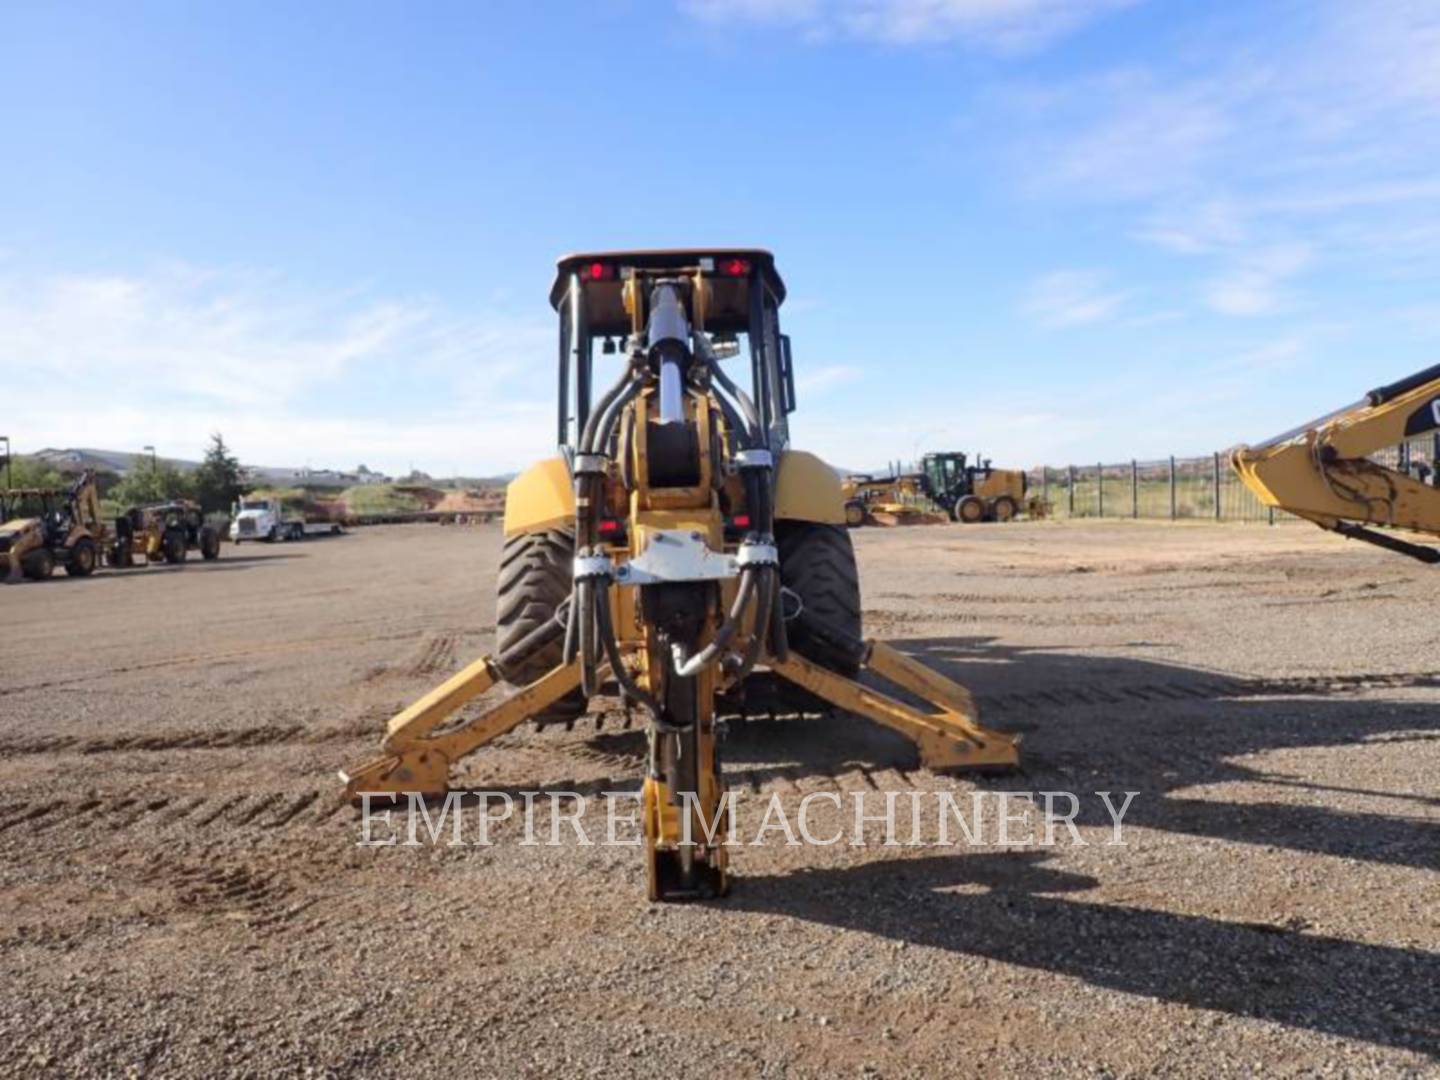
{"x":1255,"y":286}
{"x":1148,"y":140}
{"x":1197,"y":230}
{"x":1002,"y":24}
{"x":1284,"y":354}
{"x":168,"y":355}
{"x":1250,"y":160}
{"x":1072,"y":298}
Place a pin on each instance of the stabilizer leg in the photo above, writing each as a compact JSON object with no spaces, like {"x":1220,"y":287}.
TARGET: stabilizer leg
{"x":416,"y":761}
{"x":949,"y":737}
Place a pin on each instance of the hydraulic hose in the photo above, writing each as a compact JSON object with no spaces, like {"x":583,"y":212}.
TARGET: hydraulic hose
{"x":588,"y":435}
{"x":583,"y":620}
{"x":589,"y":654}
{"x":572,"y":628}
{"x":692,"y":666}
{"x":628,"y":687}
{"x":761,"y":619}
{"x":743,"y":435}
{"x":718,"y":374}
{"x":601,"y":436}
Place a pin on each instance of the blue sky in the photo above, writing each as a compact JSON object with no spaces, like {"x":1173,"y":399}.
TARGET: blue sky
{"x":1051,"y":230}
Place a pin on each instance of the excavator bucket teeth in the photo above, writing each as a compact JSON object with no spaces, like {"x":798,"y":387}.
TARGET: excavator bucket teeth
{"x":949,"y":736}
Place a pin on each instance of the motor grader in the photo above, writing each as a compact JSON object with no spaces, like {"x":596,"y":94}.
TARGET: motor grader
{"x":971,"y":493}
{"x":675,"y":545}
{"x":1322,"y":471}
{"x":41,"y":528}
{"x":886,"y":500}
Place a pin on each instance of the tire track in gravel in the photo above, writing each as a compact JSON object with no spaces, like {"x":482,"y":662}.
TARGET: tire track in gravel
{"x":204,"y":658}
{"x":1210,"y":688}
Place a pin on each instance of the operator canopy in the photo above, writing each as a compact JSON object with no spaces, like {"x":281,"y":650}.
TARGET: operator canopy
{"x":728,"y":271}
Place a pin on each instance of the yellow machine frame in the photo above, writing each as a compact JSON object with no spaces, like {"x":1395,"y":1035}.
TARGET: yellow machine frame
{"x":25,"y":537}
{"x":420,"y":747}
{"x":1322,"y":472}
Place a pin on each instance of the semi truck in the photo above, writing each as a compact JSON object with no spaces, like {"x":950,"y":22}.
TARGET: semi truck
{"x":261,"y":518}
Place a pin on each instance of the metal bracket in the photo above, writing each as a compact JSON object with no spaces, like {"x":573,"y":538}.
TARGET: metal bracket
{"x":754,"y":459}
{"x":676,"y":555}
{"x":591,"y":464}
{"x":753,"y":554}
{"x":590,"y":567}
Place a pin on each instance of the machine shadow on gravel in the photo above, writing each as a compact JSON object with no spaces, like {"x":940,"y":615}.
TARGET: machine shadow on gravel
{"x":1122,"y":724}
{"x":1012,"y":908}
{"x":1139,"y":725}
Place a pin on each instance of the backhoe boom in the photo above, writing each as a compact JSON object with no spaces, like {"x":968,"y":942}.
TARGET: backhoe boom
{"x":1323,"y":472}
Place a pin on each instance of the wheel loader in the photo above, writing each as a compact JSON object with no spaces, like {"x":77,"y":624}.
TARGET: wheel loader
{"x":675,"y":545}
{"x":1321,"y":471}
{"x":43,"y":528}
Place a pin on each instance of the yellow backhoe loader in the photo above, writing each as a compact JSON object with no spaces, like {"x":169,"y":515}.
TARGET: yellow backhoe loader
{"x":42,"y":528}
{"x":1322,"y":471}
{"x":676,"y":544}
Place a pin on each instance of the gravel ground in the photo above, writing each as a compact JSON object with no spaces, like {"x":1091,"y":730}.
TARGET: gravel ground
{"x":184,"y":896}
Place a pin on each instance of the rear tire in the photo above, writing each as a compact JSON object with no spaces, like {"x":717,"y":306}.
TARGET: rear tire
{"x":854,"y":514}
{"x":817,"y":562}
{"x":209,"y":544}
{"x":82,"y":559}
{"x":1004,"y":509}
{"x":969,"y":510}
{"x":536,"y":571}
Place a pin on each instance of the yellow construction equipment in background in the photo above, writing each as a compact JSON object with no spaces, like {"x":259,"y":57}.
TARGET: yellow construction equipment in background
{"x":677,"y":544}
{"x":1322,"y":472}
{"x":894,"y":500}
{"x":42,"y":528}
{"x":945,"y":487}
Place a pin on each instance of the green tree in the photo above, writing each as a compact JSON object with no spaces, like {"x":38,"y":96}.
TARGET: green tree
{"x":30,"y":472}
{"x":217,"y":480}
{"x":151,"y":481}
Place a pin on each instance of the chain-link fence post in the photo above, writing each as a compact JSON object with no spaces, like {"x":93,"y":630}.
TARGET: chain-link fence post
{"x":1218,"y":514}
{"x":1100,"y":490}
{"x":1134,"y":488}
{"x":1071,"y":498}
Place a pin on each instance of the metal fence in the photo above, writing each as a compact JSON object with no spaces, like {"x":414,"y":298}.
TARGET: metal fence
{"x":1194,"y":488}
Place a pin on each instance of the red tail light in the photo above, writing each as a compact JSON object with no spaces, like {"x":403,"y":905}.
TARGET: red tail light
{"x":609,"y":526}
{"x":741,"y":521}
{"x":597,"y":271}
{"x":733,"y":267}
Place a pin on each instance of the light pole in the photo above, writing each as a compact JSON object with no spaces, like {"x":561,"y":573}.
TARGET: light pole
{"x":154,"y":464}
{"x":9,"y":470}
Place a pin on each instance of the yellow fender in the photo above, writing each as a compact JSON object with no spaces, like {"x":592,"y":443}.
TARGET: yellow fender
{"x":541,"y":497}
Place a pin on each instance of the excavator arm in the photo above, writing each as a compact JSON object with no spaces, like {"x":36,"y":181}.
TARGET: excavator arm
{"x":1322,"y":471}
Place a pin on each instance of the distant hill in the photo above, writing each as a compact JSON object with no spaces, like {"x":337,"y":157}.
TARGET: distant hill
{"x":116,"y":461}
{"x":120,"y":462}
